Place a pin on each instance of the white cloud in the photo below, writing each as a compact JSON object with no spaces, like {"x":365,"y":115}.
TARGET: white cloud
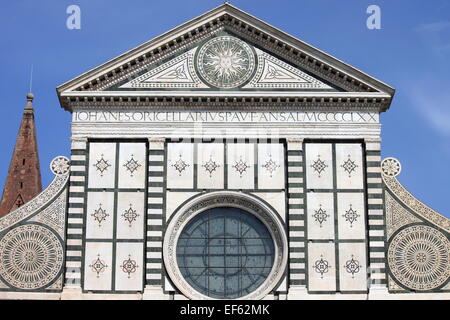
{"x":433,"y":102}
{"x":436,"y":36}
{"x":434,"y":26}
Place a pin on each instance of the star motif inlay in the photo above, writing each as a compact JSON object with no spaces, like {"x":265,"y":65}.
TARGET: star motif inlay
{"x":180,"y":165}
{"x":349,"y":166}
{"x":130,"y":215}
{"x":240,"y":166}
{"x":319,"y":166}
{"x":99,"y":215}
{"x":132,"y":165}
{"x":102,"y":165}
{"x":271,"y":166}
{"x":210,"y":166}
{"x":129,"y":266}
{"x":351,"y":216}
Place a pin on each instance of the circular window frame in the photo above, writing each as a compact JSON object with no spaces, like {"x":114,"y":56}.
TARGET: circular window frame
{"x":217,"y":199}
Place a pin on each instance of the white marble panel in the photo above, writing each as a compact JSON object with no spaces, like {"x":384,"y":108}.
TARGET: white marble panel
{"x":98,"y":266}
{"x":132,"y":165}
{"x":320,"y":215}
{"x":129,"y":266}
{"x":319,"y":166}
{"x":175,"y":199}
{"x":276,"y":199}
{"x":102,"y":165}
{"x":210,"y":169}
{"x":130,"y":215}
{"x":180,"y":165}
{"x":351,"y":215}
{"x":352,"y":266}
{"x":321,"y":267}
{"x":349,"y":166}
{"x":241,"y":162}
{"x":100,"y":215}
{"x":271,"y":166}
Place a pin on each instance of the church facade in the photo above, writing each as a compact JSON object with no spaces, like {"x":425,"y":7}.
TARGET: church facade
{"x":225,"y":159}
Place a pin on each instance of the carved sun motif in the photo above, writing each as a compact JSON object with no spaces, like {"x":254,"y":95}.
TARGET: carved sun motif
{"x":391,"y":167}
{"x":60,"y":165}
{"x":226,"y":62}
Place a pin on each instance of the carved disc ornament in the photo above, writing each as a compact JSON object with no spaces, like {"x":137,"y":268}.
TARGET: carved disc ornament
{"x":419,"y":257}
{"x":225,"y":62}
{"x":60,"y":165}
{"x":391,"y":167}
{"x":31,"y":257}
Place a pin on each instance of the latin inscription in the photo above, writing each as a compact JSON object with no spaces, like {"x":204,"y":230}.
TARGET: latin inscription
{"x":225,"y":116}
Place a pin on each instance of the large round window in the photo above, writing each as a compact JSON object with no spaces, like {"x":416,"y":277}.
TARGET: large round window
{"x":225,"y":245}
{"x":225,"y":253}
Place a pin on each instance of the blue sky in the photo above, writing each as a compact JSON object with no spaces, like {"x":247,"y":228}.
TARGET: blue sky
{"x":411,"y":52}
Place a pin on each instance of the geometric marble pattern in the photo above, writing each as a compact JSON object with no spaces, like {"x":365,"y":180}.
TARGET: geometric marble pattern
{"x":31,"y":256}
{"x":419,"y":257}
{"x":396,"y":215}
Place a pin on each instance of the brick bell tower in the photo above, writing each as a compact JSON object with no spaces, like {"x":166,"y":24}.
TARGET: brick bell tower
{"x":24,"y":176}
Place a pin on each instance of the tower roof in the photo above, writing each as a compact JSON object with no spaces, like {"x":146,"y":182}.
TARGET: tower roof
{"x":24,"y":176}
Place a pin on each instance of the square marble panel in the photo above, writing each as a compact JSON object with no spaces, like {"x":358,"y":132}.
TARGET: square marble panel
{"x":321,"y":267}
{"x":102,"y":165}
{"x":129,"y":266}
{"x":132,"y":165}
{"x":241,"y":162}
{"x":100,"y":215}
{"x":319,"y":166}
{"x":130,"y":215}
{"x":352,"y":267}
{"x":180,"y":165}
{"x":351,"y":215}
{"x":174,"y":200}
{"x":98,"y":266}
{"x":210,"y":169}
{"x":320,"y":221}
{"x":349,"y":166}
{"x":271,"y":166}
{"x":277,"y":200}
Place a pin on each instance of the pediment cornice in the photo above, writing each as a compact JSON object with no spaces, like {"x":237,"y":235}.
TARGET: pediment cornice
{"x":91,"y":85}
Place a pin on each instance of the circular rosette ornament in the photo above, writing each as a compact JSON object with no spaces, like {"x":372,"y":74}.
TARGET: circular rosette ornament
{"x":419,"y":257}
{"x":391,"y":167}
{"x":60,"y":165}
{"x":31,"y":257}
{"x":226,"y":62}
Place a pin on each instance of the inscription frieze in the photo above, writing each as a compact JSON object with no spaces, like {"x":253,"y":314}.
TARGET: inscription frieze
{"x":225,"y":117}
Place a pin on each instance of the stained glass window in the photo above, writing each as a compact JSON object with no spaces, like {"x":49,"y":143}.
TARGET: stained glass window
{"x":225,"y":253}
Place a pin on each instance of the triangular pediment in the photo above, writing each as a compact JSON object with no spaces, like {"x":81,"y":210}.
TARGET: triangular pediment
{"x":224,"y":62}
{"x":225,"y":53}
